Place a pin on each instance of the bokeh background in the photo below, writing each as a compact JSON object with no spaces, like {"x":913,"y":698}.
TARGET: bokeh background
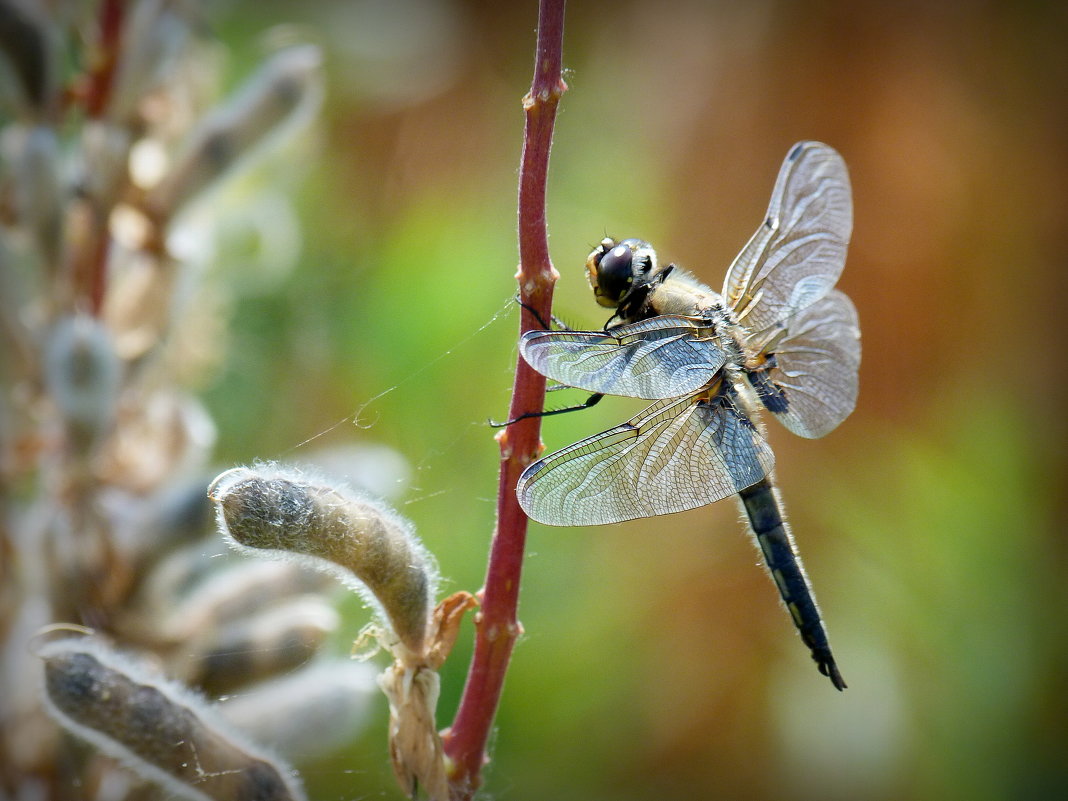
{"x":657,"y":662}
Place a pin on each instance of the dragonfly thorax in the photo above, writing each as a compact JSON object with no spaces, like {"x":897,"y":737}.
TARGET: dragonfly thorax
{"x":682,"y":294}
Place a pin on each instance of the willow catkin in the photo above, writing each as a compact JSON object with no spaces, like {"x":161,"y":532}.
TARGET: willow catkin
{"x":83,"y":375}
{"x":311,"y":712}
{"x":186,"y":606}
{"x":157,"y":728}
{"x":155,"y":36}
{"x":279,"y":509}
{"x":33,"y":158}
{"x":280,"y":638}
{"x":284,"y":88}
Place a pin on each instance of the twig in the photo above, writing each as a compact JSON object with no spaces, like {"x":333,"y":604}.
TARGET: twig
{"x":497,"y":625}
{"x":100,"y":79}
{"x":89,"y":267}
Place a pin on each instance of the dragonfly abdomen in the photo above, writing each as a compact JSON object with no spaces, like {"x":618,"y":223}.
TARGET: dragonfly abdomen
{"x":771,"y":395}
{"x":762,"y":506}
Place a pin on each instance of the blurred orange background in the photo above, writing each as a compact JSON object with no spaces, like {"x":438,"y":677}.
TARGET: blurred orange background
{"x":657,"y":661}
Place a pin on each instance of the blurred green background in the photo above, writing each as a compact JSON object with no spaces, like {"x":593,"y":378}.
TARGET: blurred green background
{"x":657,"y":661}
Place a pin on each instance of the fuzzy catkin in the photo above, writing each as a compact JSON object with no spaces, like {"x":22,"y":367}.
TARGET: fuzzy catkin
{"x":83,"y":375}
{"x":278,"y":639}
{"x":278,"y":509}
{"x":310,"y":712}
{"x":288,"y":82}
{"x":161,"y":731}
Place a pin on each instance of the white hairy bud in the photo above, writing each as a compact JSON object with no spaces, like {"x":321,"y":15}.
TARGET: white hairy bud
{"x":280,"y":509}
{"x":156,"y":727}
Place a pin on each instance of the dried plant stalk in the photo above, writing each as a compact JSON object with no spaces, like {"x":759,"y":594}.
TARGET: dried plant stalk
{"x":103,"y":452}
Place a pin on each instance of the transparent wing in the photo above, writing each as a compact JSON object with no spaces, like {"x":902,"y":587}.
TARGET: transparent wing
{"x":796,"y":256}
{"x":676,"y":455}
{"x":662,"y":357}
{"x":816,"y":366}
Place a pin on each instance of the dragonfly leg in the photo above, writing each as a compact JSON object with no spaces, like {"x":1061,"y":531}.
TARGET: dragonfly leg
{"x":784,"y":563}
{"x":590,"y":401}
{"x":541,"y":321}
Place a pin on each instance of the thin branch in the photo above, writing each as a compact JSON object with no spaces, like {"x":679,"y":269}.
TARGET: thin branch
{"x":102,"y":74}
{"x":520,"y":444}
{"x":89,"y":261}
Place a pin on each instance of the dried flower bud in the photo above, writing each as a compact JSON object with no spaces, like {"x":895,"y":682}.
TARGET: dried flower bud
{"x":157,"y":728}
{"x":286,"y":84}
{"x":310,"y":712}
{"x":82,"y":373}
{"x":279,"y":509}
{"x":415,"y":748}
{"x":278,"y":639}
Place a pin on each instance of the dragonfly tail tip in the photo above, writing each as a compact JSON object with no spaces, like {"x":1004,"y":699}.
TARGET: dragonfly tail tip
{"x":830,"y":670}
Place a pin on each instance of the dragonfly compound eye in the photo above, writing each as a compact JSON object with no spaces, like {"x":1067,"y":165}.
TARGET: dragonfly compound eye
{"x":612,"y":275}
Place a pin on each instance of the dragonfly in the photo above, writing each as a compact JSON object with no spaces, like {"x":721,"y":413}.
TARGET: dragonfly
{"x":779,"y":338}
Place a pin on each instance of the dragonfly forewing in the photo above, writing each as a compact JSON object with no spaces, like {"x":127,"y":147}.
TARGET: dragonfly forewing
{"x":798,"y":253}
{"x":676,"y":455}
{"x":663,"y":357}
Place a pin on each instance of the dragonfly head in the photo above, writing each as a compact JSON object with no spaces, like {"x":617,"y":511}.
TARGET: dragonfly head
{"x":617,"y":269}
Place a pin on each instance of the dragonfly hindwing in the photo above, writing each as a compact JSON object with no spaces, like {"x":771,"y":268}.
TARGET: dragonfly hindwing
{"x":676,"y":455}
{"x":815,"y":368}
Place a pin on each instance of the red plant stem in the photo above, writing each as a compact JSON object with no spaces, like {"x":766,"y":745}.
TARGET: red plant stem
{"x":497,"y":624}
{"x":112,"y":13}
{"x":89,"y":264}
